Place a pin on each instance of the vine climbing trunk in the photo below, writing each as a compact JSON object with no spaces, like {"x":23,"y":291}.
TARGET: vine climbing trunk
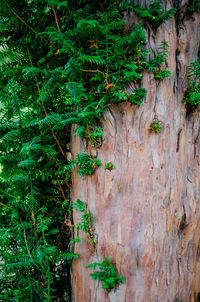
{"x":147,"y":210}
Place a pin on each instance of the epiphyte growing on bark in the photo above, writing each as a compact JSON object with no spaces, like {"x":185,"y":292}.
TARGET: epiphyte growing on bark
{"x":155,"y":15}
{"x":87,"y":164}
{"x":86,"y":221}
{"x":106,"y":273}
{"x":156,"y":64}
{"x":109,"y":166}
{"x":155,"y":126}
{"x":192,"y":96}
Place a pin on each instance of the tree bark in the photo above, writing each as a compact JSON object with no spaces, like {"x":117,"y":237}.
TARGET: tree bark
{"x":147,"y":211}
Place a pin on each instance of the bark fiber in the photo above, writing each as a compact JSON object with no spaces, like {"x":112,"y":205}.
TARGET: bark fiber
{"x":147,"y":211}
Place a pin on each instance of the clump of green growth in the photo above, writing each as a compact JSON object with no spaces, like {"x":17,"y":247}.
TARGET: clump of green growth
{"x":138,"y":40}
{"x":192,"y":96}
{"x":67,"y":169}
{"x":155,"y":126}
{"x":156,"y":64}
{"x":106,"y":273}
{"x":76,"y":63}
{"x":86,"y":221}
{"x":155,"y":15}
{"x":103,"y":62}
{"x":195,"y":5}
{"x":137,"y":96}
{"x":87,"y":164}
{"x":91,"y":133}
{"x":109,"y":166}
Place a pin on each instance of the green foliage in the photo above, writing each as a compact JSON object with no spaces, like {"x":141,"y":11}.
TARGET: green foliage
{"x":87,"y":164}
{"x":61,"y":63}
{"x":155,"y":126}
{"x":109,"y":166}
{"x":138,"y":96}
{"x":194,"y":5}
{"x":86,"y":221}
{"x":106,"y":273}
{"x":155,"y":15}
{"x":192,"y":96}
{"x":156,"y":64}
{"x":92,"y":134}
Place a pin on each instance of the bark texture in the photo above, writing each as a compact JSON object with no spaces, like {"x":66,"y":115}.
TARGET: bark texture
{"x":147,"y":211}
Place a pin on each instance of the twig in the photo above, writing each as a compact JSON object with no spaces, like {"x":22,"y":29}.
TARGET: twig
{"x":27,"y":245}
{"x":31,"y":28}
{"x":34,"y":226}
{"x":60,"y":188}
{"x":56,"y":18}
{"x":117,"y":4}
{"x":100,"y":4}
{"x":4,"y":205}
{"x":138,"y":60}
{"x":99,"y":71}
{"x":18,"y":17}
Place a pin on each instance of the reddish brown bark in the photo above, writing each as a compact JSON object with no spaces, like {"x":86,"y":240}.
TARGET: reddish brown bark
{"x":146,"y":212}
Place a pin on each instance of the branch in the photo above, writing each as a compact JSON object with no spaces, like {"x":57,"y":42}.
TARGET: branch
{"x":4,"y":205}
{"x":27,"y":245}
{"x":32,"y":29}
{"x":97,"y":70}
{"x":19,"y":18}
{"x":60,"y":188}
{"x":100,"y":4}
{"x":117,"y":4}
{"x":56,"y":19}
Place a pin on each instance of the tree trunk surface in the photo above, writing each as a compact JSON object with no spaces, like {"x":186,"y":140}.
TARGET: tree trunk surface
{"x":147,"y":211}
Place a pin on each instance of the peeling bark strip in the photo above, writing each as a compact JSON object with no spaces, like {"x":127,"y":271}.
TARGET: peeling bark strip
{"x":138,"y":207}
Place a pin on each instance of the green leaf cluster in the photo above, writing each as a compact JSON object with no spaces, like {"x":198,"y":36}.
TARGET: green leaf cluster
{"x":87,"y":164}
{"x":155,"y":126}
{"x":194,"y":5}
{"x":106,"y":273}
{"x":192,"y":96}
{"x":156,"y":64}
{"x":109,"y":166}
{"x":92,"y":134}
{"x":61,"y":63}
{"x":155,"y":15}
{"x":86,"y":221}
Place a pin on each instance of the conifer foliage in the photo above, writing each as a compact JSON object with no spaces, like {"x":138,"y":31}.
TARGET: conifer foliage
{"x":61,"y":63}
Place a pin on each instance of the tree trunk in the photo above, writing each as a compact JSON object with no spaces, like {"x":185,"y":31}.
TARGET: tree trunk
{"x":146,"y":211}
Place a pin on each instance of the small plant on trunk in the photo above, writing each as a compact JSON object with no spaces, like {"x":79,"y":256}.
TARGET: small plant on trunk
{"x":155,"y":126}
{"x":155,"y":15}
{"x":87,"y":164}
{"x":86,"y":221}
{"x":156,"y":64}
{"x":106,"y":273}
{"x":109,"y":166}
{"x":192,"y":95}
